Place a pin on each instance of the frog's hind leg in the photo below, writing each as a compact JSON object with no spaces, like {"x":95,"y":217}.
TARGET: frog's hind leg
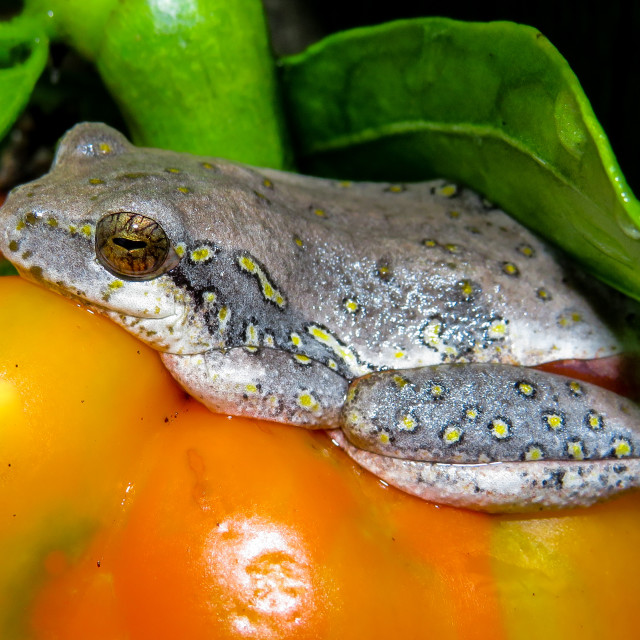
{"x":493,"y":437}
{"x":262,"y":383}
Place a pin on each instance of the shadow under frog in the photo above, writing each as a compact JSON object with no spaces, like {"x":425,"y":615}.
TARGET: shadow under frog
{"x":403,"y":317}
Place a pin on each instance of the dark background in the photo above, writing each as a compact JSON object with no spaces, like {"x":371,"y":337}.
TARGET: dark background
{"x":599,"y":39}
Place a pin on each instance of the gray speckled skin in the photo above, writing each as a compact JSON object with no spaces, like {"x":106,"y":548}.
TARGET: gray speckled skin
{"x":284,"y":292}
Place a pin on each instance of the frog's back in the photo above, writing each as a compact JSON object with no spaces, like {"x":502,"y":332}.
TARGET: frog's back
{"x":422,"y":273}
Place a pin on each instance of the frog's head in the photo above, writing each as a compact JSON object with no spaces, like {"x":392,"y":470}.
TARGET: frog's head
{"x":106,"y":225}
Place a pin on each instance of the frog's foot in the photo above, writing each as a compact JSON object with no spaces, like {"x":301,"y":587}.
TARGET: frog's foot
{"x":262,"y":383}
{"x":493,"y":437}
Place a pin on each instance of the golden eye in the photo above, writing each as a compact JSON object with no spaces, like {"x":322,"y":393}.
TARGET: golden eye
{"x":133,"y":246}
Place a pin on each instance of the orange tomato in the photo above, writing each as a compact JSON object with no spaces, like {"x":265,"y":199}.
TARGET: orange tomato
{"x":129,"y":511}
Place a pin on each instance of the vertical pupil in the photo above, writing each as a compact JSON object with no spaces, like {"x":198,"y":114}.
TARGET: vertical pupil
{"x":129,"y":245}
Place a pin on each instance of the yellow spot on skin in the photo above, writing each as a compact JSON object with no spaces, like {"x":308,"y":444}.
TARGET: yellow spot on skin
{"x":569,"y":319}
{"x":307,"y":401}
{"x":296,"y":341}
{"x":267,"y":183}
{"x":156,"y":310}
{"x":201,"y":254}
{"x":575,"y":388}
{"x":13,"y":246}
{"x":553,"y":420}
{"x":594,"y":421}
{"x":183,"y":189}
{"x":209,"y":296}
{"x":396,"y":188}
{"x":351,"y":305}
{"x":384,"y":438}
{"x":472,"y":414}
{"x":543,"y":294}
{"x":407,"y":423}
{"x":466,"y":288}
{"x":251,"y":336}
{"x":104,"y":147}
{"x":452,"y":248}
{"x":429,"y":243}
{"x":319,"y":334}
{"x":251,"y":388}
{"x":448,"y":190}
{"x":436,"y":391}
{"x":400,"y":381}
{"x":533,"y":453}
{"x":497,"y":329}
{"x":320,"y":213}
{"x":52,"y":222}
{"x":302,"y":359}
{"x":85,"y":230}
{"x":31,"y":218}
{"x":527,"y":250}
{"x":332,"y":364}
{"x":526,"y":389}
{"x":172,"y":170}
{"x":269,"y":340}
{"x":431,"y":333}
{"x":223,"y":318}
{"x":575,"y":450}
{"x":207,"y":165}
{"x":342,"y":351}
{"x":268,"y":290}
{"x":247,"y":264}
{"x":298,"y":241}
{"x":499,"y":428}
{"x":510,"y":269}
{"x":180,"y":249}
{"x":116,"y":284}
{"x":399,"y":354}
{"x":95,"y":181}
{"x":621,"y":447}
{"x":20,"y":225}
{"x":451,"y":434}
{"x":454,"y":214}
{"x":344,"y":184}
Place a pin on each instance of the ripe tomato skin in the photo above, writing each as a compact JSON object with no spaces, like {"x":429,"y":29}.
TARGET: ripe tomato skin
{"x":170,"y":521}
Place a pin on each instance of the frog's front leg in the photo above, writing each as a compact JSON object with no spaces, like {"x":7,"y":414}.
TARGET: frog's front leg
{"x":493,"y":437}
{"x":262,"y":383}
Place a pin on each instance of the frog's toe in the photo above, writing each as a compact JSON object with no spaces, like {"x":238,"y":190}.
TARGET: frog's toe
{"x":503,"y":487}
{"x":493,"y":437}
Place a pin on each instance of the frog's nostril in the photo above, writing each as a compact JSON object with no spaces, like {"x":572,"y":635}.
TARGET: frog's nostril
{"x":128,"y":244}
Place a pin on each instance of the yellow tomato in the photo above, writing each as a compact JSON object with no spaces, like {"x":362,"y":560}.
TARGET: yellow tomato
{"x":129,"y":511}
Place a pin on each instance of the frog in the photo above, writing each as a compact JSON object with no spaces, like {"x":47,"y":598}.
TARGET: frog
{"x":404,"y":319}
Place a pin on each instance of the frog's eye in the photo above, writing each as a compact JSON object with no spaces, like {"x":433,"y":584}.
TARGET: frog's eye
{"x":133,"y":246}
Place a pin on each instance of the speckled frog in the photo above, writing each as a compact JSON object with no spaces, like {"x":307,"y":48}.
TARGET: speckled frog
{"x":403,"y":317}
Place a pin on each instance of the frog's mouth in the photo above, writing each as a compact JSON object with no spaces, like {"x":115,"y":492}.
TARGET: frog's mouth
{"x":167,"y":327}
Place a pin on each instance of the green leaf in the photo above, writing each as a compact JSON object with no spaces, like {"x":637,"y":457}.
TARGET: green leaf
{"x":6,"y":268}
{"x":194,"y":75}
{"x":492,"y":105}
{"x":23,"y":55}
